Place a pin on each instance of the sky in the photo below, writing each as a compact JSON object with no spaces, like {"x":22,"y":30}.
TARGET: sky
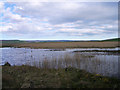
{"x":58,"y":20}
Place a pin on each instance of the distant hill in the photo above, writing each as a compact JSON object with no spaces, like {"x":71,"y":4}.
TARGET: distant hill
{"x":114,"y":39}
{"x":49,"y":40}
{"x":29,"y":41}
{"x":60,"y":40}
{"x":10,"y":41}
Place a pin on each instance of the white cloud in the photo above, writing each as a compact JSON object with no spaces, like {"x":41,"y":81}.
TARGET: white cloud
{"x":12,"y":17}
{"x":1,"y":7}
{"x":67,"y":12}
{"x":57,"y":19}
{"x":82,"y":31}
{"x":60,"y":0}
{"x":5,"y":28}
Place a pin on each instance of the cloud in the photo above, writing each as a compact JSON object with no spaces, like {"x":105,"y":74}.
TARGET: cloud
{"x":53,"y":19}
{"x":1,"y":6}
{"x":67,"y":12}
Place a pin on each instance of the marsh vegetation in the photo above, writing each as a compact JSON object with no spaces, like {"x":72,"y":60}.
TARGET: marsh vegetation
{"x":60,"y":68}
{"x":56,"y":45}
{"x":32,"y":77}
{"x":104,"y":63}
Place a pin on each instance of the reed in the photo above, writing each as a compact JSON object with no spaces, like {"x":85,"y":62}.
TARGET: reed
{"x":82,"y":61}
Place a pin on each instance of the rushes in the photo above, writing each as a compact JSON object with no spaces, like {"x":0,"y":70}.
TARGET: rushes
{"x":62,"y":62}
{"x":45,"y":64}
{"x":82,"y":61}
{"x":53,"y":63}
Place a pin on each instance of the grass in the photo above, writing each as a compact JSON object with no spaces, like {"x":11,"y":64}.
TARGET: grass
{"x":114,"y":39}
{"x":90,"y":44}
{"x":33,"y":77}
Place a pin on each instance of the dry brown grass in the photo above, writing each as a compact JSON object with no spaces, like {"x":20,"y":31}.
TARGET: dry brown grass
{"x":66,"y":44}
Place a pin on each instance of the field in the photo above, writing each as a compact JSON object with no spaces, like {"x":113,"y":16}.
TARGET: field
{"x":88,"y":44}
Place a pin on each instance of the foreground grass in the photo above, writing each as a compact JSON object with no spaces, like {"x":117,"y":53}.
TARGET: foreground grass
{"x":32,"y":77}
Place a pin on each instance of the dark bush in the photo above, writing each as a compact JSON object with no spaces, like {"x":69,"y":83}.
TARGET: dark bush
{"x":7,"y":64}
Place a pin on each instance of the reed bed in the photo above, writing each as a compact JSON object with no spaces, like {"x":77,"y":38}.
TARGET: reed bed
{"x":89,"y":63}
{"x":105,"y":44}
{"x":62,"y":72}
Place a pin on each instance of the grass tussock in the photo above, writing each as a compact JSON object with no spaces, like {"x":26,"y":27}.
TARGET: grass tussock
{"x":33,"y":77}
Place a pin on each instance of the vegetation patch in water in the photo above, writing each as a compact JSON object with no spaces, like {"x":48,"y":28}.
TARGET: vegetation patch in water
{"x":56,"y":50}
{"x":108,"y":52}
{"x":98,"y":51}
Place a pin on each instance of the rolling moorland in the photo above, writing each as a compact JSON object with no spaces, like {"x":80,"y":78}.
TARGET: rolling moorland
{"x":109,"y":43}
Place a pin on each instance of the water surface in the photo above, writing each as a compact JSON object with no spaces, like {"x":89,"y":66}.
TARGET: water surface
{"x":95,"y":62}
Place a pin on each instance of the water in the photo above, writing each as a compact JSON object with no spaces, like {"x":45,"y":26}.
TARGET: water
{"x":94,"y":62}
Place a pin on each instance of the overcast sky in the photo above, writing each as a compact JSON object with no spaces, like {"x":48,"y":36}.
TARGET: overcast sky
{"x":58,"y":20}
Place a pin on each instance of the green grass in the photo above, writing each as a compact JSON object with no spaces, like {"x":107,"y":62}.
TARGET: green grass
{"x":114,"y":39}
{"x":28,"y":76}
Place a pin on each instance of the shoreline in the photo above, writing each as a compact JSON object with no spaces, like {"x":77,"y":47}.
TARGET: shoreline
{"x":59,"y":48}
